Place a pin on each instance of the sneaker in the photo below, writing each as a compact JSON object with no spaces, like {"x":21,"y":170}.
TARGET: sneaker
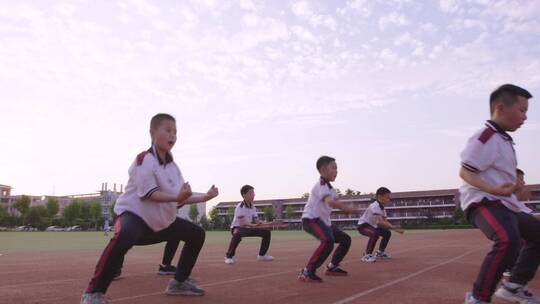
{"x":335,"y":271}
{"x":94,"y":298}
{"x":469,"y":299}
{"x":369,"y":258}
{"x":166,"y":270}
{"x":516,"y":294}
{"x":229,"y":261}
{"x":308,"y":277}
{"x":186,"y":288}
{"x":507,"y":274}
{"x":381,"y":255}
{"x":265,"y":258}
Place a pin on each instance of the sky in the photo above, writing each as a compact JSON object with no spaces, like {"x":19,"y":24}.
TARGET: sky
{"x":260,"y":90}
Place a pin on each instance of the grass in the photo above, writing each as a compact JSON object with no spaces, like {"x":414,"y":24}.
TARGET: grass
{"x":20,"y":242}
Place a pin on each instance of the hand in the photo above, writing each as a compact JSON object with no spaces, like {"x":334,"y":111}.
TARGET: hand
{"x":504,"y":189}
{"x":184,"y":193}
{"x":212,"y":192}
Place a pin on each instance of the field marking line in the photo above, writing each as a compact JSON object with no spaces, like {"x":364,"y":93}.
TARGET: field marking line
{"x":394,"y":282}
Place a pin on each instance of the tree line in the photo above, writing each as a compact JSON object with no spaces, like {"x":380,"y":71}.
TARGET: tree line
{"x":88,"y":215}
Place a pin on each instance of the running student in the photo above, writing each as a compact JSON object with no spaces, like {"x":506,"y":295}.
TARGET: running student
{"x":488,"y":169}
{"x":374,"y":224}
{"x":147,"y":215}
{"x":245,"y":224}
{"x":316,"y":221}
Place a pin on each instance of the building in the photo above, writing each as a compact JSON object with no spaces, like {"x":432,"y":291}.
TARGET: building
{"x":418,"y":206}
{"x":106,"y":197}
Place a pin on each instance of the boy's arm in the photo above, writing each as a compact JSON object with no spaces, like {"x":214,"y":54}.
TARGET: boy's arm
{"x":197,"y":197}
{"x":382,"y":222}
{"x":474,"y":180}
{"x":163,"y":197}
{"x":340,"y":205}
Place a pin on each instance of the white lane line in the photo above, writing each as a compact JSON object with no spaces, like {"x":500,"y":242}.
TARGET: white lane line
{"x":394,"y":282}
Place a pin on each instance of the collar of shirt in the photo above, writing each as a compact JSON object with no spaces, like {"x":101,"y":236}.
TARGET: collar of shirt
{"x":168,"y":156}
{"x":324,"y":181}
{"x":243,"y":203}
{"x":380,"y":205}
{"x":496,"y":127}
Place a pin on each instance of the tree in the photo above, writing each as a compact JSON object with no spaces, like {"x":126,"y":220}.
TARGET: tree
{"x":215,"y":220}
{"x":37,"y":216}
{"x":228,"y":218}
{"x":458,"y":216}
{"x":95,"y":214}
{"x":193,"y":213}
{"x":72,"y":212}
{"x":85,"y":212}
{"x":52,"y":207}
{"x":289,"y":213}
{"x":204,"y":222}
{"x":268,"y":214}
{"x":338,"y":192}
{"x":305,"y":195}
{"x":349,"y":191}
{"x":22,"y":205}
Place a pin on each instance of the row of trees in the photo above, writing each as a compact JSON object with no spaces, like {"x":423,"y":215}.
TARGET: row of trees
{"x":338,"y":191}
{"x":85,"y":214}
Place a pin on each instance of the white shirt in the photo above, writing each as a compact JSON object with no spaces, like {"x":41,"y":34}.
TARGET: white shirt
{"x":372,"y":213}
{"x":148,"y":174}
{"x":490,"y":154}
{"x":243,"y":215}
{"x":315,"y":206}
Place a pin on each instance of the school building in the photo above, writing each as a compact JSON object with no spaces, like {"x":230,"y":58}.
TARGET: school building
{"x":105,"y":196}
{"x":417,"y":206}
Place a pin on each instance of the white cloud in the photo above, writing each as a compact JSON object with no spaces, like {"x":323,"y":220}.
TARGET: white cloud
{"x":393,"y":18}
{"x":247,"y":5}
{"x":250,"y":19}
{"x":304,"y":34}
{"x":449,"y":6}
{"x":361,"y":7}
{"x":302,"y":9}
{"x":429,"y":27}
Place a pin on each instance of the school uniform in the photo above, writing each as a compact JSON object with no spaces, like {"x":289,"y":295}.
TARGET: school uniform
{"x":367,"y":225}
{"x":503,"y":219}
{"x":141,"y":221}
{"x":244,"y":214}
{"x":316,"y":221}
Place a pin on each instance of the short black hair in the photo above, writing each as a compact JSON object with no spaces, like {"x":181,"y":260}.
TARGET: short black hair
{"x":382,"y":191}
{"x":323,"y":161}
{"x":519,"y":171}
{"x":507,"y":94}
{"x":159,"y":118}
{"x":245,"y":189}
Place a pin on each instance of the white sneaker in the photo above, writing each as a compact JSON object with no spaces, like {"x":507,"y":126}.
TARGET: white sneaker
{"x":507,"y":274}
{"x":94,"y":298}
{"x":382,"y":255}
{"x":229,"y":261}
{"x":369,"y":258}
{"x":469,"y":299}
{"x":516,"y":294}
{"x":265,"y":258}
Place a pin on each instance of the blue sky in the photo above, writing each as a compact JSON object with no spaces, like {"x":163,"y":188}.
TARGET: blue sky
{"x":392,"y":89}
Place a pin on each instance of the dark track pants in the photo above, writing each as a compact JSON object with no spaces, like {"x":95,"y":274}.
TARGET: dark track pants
{"x":374,"y":234}
{"x":328,"y":236}
{"x":131,"y":230}
{"x":505,"y":228}
{"x":240,"y":232}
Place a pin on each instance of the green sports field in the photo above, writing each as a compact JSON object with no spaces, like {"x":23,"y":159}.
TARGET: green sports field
{"x":14,"y":242}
